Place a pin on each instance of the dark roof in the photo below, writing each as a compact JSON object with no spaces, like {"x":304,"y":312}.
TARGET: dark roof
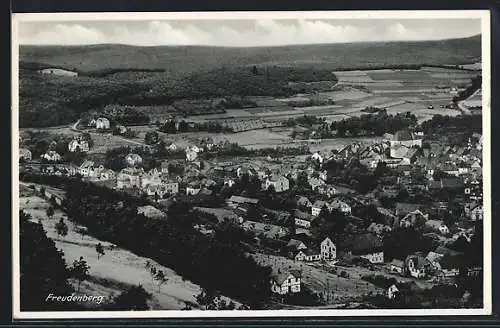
{"x":294,"y":243}
{"x":397,"y":262}
{"x":303,"y":216}
{"x":403,"y":135}
{"x":281,"y":277}
{"x":418,"y":260}
{"x":309,"y":251}
{"x":365,"y":243}
{"x":446,"y":251}
{"x":452,"y":183}
{"x":451,"y":261}
{"x":407,"y":287}
{"x":405,"y":208}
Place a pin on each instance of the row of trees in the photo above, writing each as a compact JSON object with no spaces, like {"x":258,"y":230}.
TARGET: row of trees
{"x":373,"y":124}
{"x":172,"y":127}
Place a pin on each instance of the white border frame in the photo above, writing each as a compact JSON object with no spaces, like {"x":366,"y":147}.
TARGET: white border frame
{"x":484,"y":15}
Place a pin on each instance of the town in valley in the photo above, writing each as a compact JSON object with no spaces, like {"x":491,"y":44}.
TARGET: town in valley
{"x":252,"y":183}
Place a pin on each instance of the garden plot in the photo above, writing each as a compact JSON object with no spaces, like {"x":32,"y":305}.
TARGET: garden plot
{"x":346,"y":94}
{"x":404,"y":75}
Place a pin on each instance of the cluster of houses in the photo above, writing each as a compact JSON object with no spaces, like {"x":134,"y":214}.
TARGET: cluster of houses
{"x":100,"y":123}
{"x":404,"y":152}
{"x":78,"y":144}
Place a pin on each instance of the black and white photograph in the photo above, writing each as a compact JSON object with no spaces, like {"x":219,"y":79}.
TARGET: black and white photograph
{"x":242,"y":164}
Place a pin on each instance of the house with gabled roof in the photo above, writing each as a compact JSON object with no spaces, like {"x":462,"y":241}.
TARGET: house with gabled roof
{"x":302,"y":219}
{"x":25,"y":154}
{"x":368,"y":246}
{"x":318,"y":206}
{"x":328,"y":250}
{"x":417,"y":266}
{"x":295,"y":244}
{"x":288,"y":282}
{"x":278,"y":182}
{"x":308,"y":255}
{"x":303,"y":201}
{"x":396,"y":266}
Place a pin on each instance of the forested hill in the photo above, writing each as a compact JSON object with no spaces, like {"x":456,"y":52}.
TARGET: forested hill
{"x":190,"y":58}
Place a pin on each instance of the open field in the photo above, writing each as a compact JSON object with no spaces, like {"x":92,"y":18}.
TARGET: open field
{"x":397,"y":90}
{"x":117,"y":269}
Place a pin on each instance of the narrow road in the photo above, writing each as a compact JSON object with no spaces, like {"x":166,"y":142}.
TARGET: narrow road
{"x":74,"y":126}
{"x":461,"y":105}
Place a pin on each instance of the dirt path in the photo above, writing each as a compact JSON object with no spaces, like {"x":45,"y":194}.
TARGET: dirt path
{"x":117,"y":268}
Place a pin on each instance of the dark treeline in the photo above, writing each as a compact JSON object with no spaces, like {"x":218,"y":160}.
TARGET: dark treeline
{"x":403,"y":66}
{"x":476,"y":84}
{"x":117,"y":114}
{"x":373,"y":124}
{"x":355,"y":174}
{"x":233,"y":150}
{"x":216,"y":263}
{"x":107,"y":72}
{"x":467,"y":124}
{"x":173,"y":127}
{"x":306,"y":120}
{"x":42,"y":269}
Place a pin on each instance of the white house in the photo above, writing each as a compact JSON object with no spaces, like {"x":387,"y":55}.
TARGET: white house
{"x":406,"y":138}
{"x":133,"y":160}
{"x":317,"y":157}
{"x":315,"y":182}
{"x":416,"y":266}
{"x":303,"y":220}
{"x":476,"y":213}
{"x":341,"y":206}
{"x":328,"y":250}
{"x":151,"y":178}
{"x":58,"y":71}
{"x":24,"y":154}
{"x":229,"y":182}
{"x":78,"y":144}
{"x":164,"y":167}
{"x":193,"y":190}
{"x":192,"y":153}
{"x":308,"y":255}
{"x":285,"y":283}
{"x":279,"y":183}
{"x":86,"y":168}
{"x":327,"y":190}
{"x":52,"y":156}
{"x":318,"y":206}
{"x":397,"y":266}
{"x":102,"y":123}
{"x":392,"y":291}
{"x":374,"y":256}
{"x":437,"y":225}
{"x":170,"y":187}
{"x":129,"y":178}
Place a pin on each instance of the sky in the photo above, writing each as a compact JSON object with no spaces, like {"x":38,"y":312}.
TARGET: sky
{"x":243,"y":33}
